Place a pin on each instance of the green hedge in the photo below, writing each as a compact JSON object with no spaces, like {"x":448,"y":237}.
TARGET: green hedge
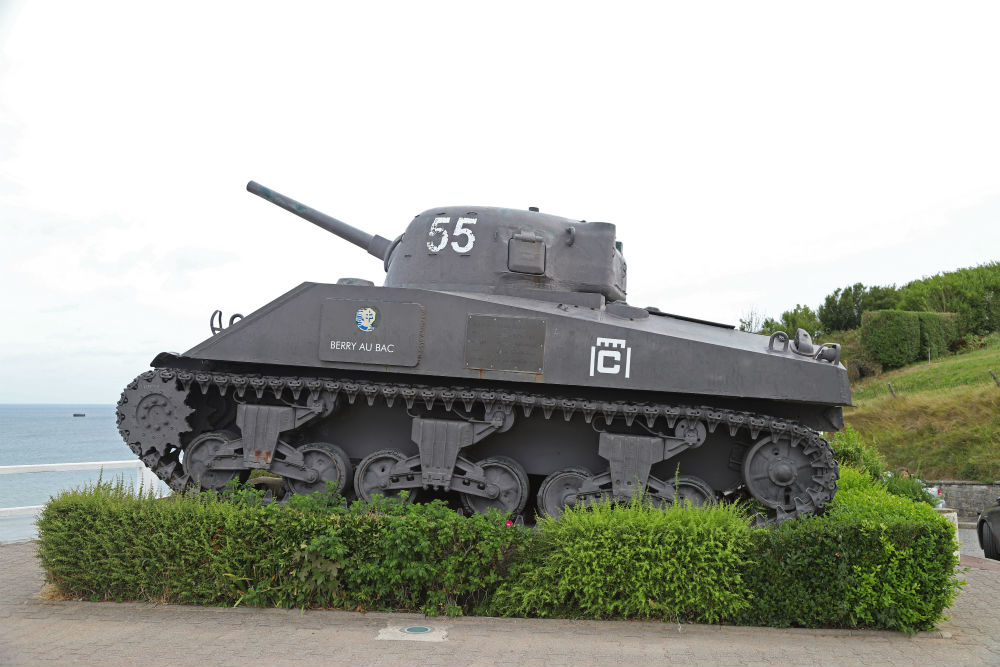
{"x":633,"y":561}
{"x":105,"y":544}
{"x":873,"y":560}
{"x":938,"y":333}
{"x":972,"y":293}
{"x":899,"y":337}
{"x":891,"y":336}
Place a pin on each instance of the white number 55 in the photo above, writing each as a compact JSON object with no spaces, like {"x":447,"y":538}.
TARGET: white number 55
{"x":438,"y":229}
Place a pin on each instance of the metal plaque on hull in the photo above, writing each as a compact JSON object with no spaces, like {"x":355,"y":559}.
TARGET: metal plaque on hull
{"x":371,"y":332}
{"x":505,"y":343}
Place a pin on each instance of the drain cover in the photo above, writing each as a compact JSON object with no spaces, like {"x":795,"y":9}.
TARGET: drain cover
{"x":415,"y":633}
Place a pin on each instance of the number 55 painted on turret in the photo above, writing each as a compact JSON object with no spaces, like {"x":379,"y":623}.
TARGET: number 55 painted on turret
{"x":438,"y":229}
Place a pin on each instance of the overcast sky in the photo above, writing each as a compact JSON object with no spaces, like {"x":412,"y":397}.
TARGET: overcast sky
{"x":753,"y":155}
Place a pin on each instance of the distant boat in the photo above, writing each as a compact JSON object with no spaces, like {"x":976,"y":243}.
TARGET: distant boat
{"x":79,"y":414}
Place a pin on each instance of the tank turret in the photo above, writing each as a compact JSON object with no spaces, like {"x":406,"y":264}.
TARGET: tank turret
{"x":515,"y":251}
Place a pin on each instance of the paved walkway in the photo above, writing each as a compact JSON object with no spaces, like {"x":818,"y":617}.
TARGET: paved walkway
{"x":34,"y":631}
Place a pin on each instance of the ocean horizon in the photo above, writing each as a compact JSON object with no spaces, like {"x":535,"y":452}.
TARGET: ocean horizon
{"x":35,"y":433}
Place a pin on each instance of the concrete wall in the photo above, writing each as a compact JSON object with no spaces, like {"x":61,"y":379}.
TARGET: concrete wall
{"x":968,"y":498}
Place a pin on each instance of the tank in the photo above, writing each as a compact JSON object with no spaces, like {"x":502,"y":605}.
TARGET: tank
{"x":499,"y":366}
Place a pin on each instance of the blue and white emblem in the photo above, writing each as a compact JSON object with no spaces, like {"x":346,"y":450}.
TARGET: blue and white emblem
{"x":367,"y":318}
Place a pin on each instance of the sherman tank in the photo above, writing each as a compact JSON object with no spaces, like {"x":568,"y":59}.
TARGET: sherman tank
{"x":500,"y":366}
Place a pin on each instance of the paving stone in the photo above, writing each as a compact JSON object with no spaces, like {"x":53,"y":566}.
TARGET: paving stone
{"x":41,"y":632}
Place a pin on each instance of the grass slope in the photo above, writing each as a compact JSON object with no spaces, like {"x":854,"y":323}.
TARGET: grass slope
{"x":970,"y":369}
{"x":944,"y":421}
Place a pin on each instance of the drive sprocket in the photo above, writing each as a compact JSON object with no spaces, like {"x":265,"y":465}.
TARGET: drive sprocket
{"x":152,"y":417}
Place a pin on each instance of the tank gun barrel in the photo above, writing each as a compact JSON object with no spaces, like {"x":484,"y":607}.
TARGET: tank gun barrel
{"x":375,"y":245}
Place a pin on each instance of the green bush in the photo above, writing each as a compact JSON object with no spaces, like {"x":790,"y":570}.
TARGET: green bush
{"x":800,"y":317}
{"x":842,"y":310}
{"x":872,"y":560}
{"x":972,"y":293}
{"x":423,"y":557}
{"x":896,"y":337}
{"x":938,"y":334}
{"x":104,"y":543}
{"x":892,"y":337}
{"x":862,"y":465}
{"x":851,"y":451}
{"x":633,"y":561}
{"x":908,"y":487}
{"x":854,"y":478}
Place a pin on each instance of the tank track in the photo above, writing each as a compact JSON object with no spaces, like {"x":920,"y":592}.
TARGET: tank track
{"x":160,"y":454}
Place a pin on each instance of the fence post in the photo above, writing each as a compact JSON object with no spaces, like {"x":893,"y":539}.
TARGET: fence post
{"x":995,"y":378}
{"x":892,"y":390}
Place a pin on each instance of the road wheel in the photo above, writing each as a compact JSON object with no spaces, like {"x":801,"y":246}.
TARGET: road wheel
{"x":330,"y":464}
{"x":198,"y":457}
{"x":373,"y":475}
{"x":559,"y":489}
{"x":510,"y":476}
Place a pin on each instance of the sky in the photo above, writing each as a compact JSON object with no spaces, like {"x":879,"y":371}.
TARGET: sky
{"x":752,"y":155}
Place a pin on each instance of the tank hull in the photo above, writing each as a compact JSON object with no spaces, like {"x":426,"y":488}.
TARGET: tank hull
{"x":480,"y":338}
{"x":506,"y":402}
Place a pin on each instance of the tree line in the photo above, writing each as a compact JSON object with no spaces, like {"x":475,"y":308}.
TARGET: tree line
{"x":973,"y":294}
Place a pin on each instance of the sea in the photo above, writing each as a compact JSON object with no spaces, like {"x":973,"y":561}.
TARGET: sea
{"x":32,"y":434}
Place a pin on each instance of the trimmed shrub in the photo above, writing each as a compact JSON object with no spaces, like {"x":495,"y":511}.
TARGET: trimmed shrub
{"x":872,"y":560}
{"x":633,"y":561}
{"x":895,"y":337}
{"x":892,"y":337}
{"x":104,"y":543}
{"x":938,"y":333}
{"x":424,"y":557}
{"x":972,"y":293}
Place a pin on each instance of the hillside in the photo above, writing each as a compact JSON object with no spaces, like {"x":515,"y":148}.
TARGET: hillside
{"x":944,"y":421}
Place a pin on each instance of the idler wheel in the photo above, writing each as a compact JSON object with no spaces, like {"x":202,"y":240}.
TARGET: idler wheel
{"x":200,"y":453}
{"x":372,"y":476}
{"x":776,"y":473}
{"x":560,"y":489}
{"x":330,"y":464}
{"x":510,"y":476}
